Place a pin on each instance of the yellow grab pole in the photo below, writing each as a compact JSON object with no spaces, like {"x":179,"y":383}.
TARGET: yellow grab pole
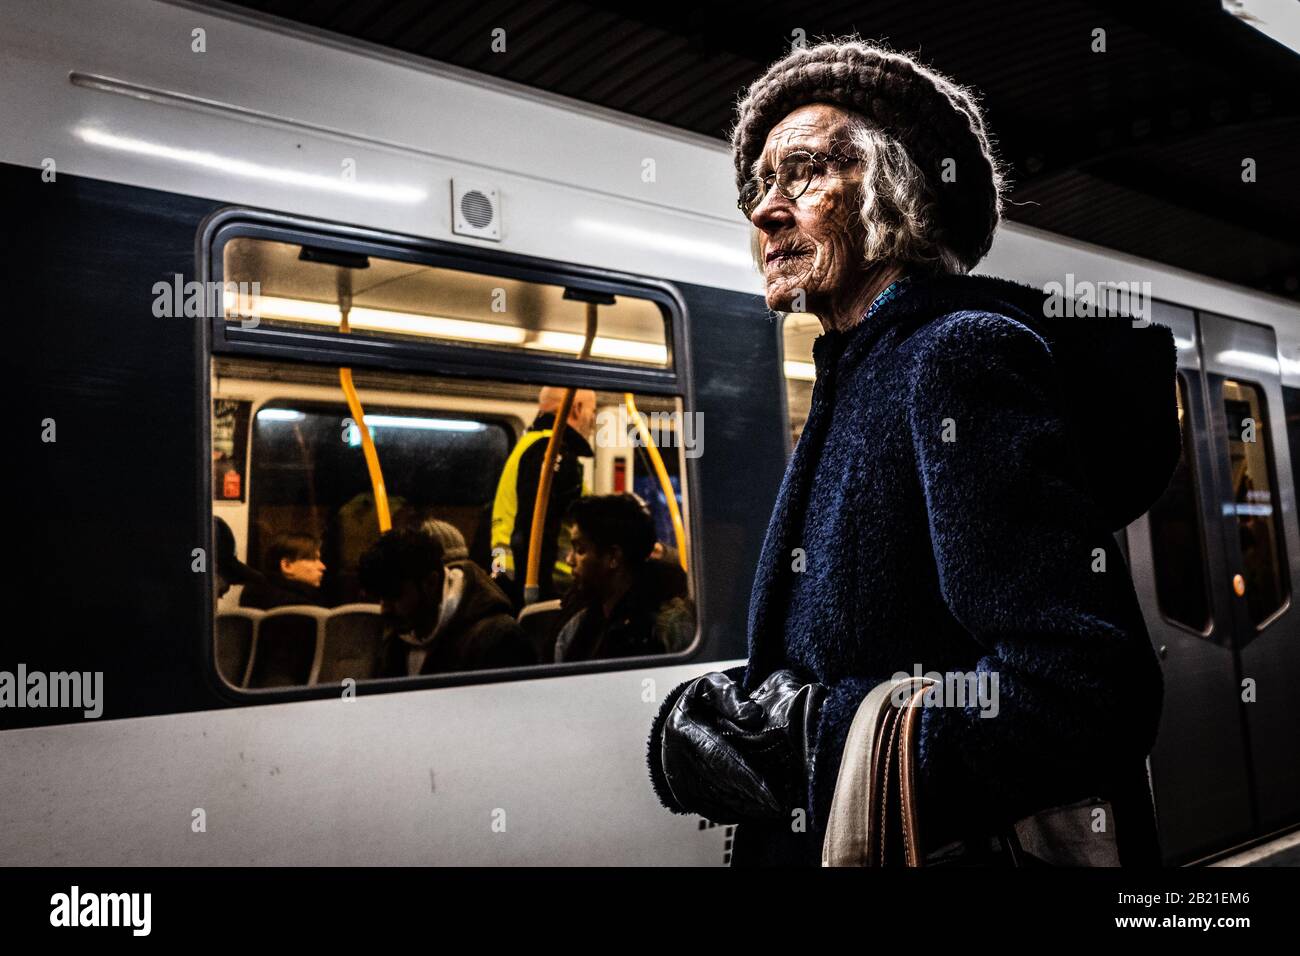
{"x":368,"y":449}
{"x":532,"y":590}
{"x":674,"y":512}
{"x":359,"y":414}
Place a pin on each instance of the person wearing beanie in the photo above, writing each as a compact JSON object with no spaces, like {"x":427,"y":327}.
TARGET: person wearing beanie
{"x":949,"y":508}
{"x":449,"y":539}
{"x":440,"y":615}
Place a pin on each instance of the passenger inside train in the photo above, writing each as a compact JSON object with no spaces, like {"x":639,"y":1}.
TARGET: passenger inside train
{"x":624,"y":601}
{"x":231,"y":572}
{"x":293,"y":574}
{"x":440,"y":616}
{"x":512,"y":508}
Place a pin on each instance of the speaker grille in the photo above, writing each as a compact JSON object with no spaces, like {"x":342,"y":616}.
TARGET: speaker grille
{"x":476,"y":208}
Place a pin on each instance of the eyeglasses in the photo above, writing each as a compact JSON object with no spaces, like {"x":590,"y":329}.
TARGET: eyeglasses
{"x":792,"y":176}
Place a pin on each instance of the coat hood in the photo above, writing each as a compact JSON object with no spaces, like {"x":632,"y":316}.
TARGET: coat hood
{"x":479,"y":598}
{"x":1119,"y":383}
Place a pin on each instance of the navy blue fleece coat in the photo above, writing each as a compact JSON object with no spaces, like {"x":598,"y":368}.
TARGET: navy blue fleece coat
{"x":964,"y":461}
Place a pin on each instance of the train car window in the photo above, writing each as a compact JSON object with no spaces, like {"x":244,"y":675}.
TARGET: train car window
{"x":1178,"y":541}
{"x":798,"y":330}
{"x":454,"y":455}
{"x":300,"y":287}
{"x":1255,"y":505}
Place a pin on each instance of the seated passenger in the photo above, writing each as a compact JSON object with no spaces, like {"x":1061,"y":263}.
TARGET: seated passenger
{"x":230,"y":570}
{"x":440,"y":617}
{"x":454,"y":551}
{"x":293,"y":575}
{"x":627,"y":603}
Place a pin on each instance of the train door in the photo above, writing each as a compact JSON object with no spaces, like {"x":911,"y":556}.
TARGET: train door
{"x":1199,"y":768}
{"x":1257,"y":509}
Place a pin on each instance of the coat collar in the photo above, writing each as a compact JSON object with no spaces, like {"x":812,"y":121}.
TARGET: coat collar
{"x":832,"y":345}
{"x":572,"y":439}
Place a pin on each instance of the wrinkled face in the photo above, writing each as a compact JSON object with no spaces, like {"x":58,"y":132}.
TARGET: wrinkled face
{"x":593,"y":569}
{"x":813,"y":243}
{"x":304,"y":570}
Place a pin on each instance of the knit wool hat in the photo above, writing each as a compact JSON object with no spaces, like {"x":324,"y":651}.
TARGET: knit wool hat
{"x":447,"y":535}
{"x":931,"y":117}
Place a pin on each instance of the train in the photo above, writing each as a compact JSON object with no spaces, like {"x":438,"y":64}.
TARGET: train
{"x":195,"y":195}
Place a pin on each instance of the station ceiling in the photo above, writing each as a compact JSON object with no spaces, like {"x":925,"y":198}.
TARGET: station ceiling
{"x":1139,"y":148}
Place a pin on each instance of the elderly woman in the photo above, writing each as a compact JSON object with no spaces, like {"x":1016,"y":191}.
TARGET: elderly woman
{"x":948,"y":508}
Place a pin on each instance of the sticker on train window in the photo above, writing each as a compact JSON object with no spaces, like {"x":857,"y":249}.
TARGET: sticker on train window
{"x":229,"y":444}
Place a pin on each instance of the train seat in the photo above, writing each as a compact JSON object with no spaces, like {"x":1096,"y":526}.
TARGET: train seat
{"x":287,"y":647}
{"x":351,"y":643}
{"x":539,"y":622}
{"x":236,"y":633}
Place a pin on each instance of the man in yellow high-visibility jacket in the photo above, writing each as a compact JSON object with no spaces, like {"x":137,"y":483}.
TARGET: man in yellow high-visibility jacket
{"x":512,"y":509}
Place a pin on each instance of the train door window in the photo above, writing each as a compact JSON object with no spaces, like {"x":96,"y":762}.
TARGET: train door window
{"x":1255,"y":503}
{"x":1178,"y":541}
{"x":798,"y":331}
{"x":428,"y":404}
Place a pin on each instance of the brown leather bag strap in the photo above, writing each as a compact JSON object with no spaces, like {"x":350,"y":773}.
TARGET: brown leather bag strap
{"x":881,"y":784}
{"x":908,"y":773}
{"x":858,"y":823}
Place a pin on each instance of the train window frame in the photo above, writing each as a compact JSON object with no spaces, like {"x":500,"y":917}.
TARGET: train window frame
{"x":440,"y":359}
{"x":1290,"y":395}
{"x":1275,"y":490}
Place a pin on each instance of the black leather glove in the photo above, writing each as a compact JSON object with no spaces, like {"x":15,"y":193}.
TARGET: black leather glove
{"x":733,"y":758}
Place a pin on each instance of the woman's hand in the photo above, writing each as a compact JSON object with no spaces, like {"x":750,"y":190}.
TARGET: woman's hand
{"x":733,"y":758}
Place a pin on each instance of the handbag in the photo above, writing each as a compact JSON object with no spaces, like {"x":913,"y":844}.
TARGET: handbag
{"x":874,"y":817}
{"x":875,"y":812}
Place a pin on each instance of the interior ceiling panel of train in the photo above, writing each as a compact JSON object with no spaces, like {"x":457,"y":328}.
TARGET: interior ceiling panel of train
{"x":1133,"y":139}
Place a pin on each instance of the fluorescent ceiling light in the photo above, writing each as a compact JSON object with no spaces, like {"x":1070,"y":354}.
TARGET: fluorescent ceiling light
{"x":1232,"y":508}
{"x":279,"y":415}
{"x":803,"y":371}
{"x":626,"y":349}
{"x":382,"y":421}
{"x":383,"y":320}
{"x":1278,"y":20}
{"x":424,"y":424}
{"x":231,"y":166}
